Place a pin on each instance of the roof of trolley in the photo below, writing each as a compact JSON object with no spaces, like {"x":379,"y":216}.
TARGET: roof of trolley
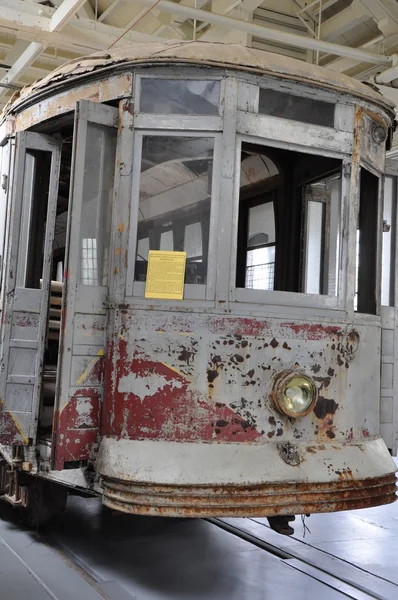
{"x":210,"y":54}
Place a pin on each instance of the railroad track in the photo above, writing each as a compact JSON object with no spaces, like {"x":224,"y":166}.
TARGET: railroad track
{"x":133,"y":558}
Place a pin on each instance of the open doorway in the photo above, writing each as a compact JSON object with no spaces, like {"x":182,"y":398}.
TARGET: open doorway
{"x":64,"y":132}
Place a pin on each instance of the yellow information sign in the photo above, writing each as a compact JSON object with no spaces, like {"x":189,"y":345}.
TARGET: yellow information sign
{"x":165,"y":275}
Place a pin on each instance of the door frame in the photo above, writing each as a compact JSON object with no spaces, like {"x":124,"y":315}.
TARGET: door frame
{"x":26,"y":141}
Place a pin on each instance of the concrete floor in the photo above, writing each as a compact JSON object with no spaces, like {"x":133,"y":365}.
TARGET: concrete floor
{"x":88,"y":554}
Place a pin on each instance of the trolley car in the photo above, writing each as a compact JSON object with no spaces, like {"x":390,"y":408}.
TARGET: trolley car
{"x":259,"y":390}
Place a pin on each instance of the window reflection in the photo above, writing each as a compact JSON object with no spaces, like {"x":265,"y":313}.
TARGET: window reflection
{"x":177,"y":97}
{"x":97,"y":198}
{"x":174,"y":201}
{"x":260,"y":264}
{"x":296,"y":108}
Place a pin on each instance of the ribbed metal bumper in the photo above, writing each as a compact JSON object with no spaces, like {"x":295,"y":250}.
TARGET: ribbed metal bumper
{"x":250,"y":501}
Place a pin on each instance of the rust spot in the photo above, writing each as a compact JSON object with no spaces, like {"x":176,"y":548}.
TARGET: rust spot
{"x":128,"y":107}
{"x":185,"y":355}
{"x":286,"y":346}
{"x":272,"y":421}
{"x":273,"y":343}
{"x":221,"y":423}
{"x":238,"y":357}
{"x":316,"y":368}
{"x":330,"y":372}
{"x":331,"y":435}
{"x":325,"y":406}
{"x":325,"y":381}
{"x":211,"y":375}
{"x":118,"y":250}
{"x":121,"y":228}
{"x":271,"y":434}
{"x":345,"y":474}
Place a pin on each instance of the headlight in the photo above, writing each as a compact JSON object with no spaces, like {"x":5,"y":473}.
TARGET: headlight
{"x":294,"y":394}
{"x":379,"y":134}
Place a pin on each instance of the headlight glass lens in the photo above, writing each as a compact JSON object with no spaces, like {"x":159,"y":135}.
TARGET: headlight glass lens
{"x":294,"y":394}
{"x":379,"y":134}
{"x":298,"y":395}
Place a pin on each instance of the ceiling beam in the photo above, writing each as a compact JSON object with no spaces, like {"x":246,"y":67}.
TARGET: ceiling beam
{"x":81,"y":36}
{"x":64,"y":13}
{"x":108,"y":10}
{"x":268,"y":33}
{"x":61,"y":16}
{"x":345,"y":20}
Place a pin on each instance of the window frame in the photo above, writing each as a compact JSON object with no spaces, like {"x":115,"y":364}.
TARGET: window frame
{"x":392,"y":292}
{"x":206,"y":291}
{"x":188,"y":75}
{"x":373,"y":170}
{"x":283,"y":298}
{"x":332,"y":226}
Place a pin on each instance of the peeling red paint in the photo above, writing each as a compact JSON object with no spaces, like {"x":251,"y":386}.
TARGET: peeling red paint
{"x":313,"y":331}
{"x":78,"y":428}
{"x":173,"y":412}
{"x":9,"y":433}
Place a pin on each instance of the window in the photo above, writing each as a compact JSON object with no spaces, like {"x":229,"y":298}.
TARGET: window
{"x":99,"y":170}
{"x":261,"y":247}
{"x":365,"y":299}
{"x":179,"y":97}
{"x":296,"y":108}
{"x":389,"y":217}
{"x":321,"y":211}
{"x":36,"y":181}
{"x":174,"y":202}
{"x":289,"y":221}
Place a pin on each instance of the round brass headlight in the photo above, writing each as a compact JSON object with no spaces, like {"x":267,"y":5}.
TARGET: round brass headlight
{"x":294,"y":394}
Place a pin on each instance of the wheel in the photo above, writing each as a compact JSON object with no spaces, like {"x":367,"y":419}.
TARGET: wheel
{"x":42,"y":500}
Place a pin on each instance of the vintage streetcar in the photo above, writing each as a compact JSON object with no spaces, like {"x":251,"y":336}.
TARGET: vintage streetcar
{"x":260,"y":391}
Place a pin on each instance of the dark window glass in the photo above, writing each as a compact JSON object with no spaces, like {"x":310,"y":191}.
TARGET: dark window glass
{"x":35,"y":198}
{"x":296,"y":108}
{"x":365,"y":299}
{"x":177,"y":97}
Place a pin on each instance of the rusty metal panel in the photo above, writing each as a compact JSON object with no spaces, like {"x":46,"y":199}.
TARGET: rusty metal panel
{"x":372,"y":152}
{"x":110,"y":88}
{"x":209,"y":378}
